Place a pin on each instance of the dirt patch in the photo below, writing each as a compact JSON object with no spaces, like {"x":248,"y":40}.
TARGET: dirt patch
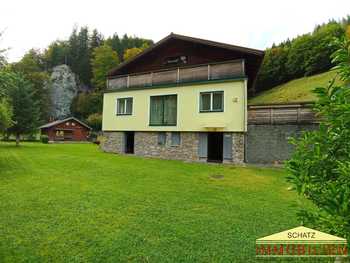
{"x":217,"y":176}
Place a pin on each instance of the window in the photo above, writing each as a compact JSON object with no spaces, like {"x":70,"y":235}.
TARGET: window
{"x":163,"y":110}
{"x":161,"y":138}
{"x":212,"y":101}
{"x":175,"y":138}
{"x":124,"y":106}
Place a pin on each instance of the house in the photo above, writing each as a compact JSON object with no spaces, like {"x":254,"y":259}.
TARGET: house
{"x":183,"y":98}
{"x":69,"y":129}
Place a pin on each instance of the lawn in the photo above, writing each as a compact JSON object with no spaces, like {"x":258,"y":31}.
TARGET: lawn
{"x":298,"y":90}
{"x":73,"y":203}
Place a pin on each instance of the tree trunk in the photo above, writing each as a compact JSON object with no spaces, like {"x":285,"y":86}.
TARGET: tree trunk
{"x":17,"y":139}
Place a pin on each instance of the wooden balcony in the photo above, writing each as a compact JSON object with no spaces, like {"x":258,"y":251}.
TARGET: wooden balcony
{"x":186,"y":74}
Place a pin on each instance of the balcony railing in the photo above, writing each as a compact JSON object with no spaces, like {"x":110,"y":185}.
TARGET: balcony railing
{"x":213,"y":71}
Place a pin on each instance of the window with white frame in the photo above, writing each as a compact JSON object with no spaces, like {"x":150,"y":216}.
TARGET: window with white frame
{"x":124,"y":106}
{"x":211,"y":101}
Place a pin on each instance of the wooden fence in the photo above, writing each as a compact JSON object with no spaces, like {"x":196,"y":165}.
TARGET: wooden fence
{"x":293,"y":113}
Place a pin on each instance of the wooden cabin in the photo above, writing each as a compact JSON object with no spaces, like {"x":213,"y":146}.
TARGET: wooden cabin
{"x":69,"y":129}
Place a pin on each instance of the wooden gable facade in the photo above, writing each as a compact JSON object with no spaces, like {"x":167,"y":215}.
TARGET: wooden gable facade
{"x":70,"y":129}
{"x":177,"y":51}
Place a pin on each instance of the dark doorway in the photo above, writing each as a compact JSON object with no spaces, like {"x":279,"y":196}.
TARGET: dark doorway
{"x":215,"y":147}
{"x":68,"y":135}
{"x":129,"y":142}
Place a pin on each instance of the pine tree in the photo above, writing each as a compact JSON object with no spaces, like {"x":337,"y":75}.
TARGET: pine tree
{"x":25,"y":109}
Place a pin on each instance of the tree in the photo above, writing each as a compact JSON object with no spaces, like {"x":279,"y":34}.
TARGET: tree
{"x":32,"y":67}
{"x":86,"y":104}
{"x":2,"y":54}
{"x":95,"y":121}
{"x":104,"y":59}
{"x":56,"y":54}
{"x":304,"y":55}
{"x":25,"y":109}
{"x":96,"y":40}
{"x":79,"y":54}
{"x":121,"y":44}
{"x":6,"y":82}
{"x":320,"y":166}
{"x":132,"y":52}
{"x":5,"y":114}
{"x":321,"y":50}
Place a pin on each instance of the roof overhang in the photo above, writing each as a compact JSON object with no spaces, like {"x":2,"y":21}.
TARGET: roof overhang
{"x":54,"y":123}
{"x":248,"y":51}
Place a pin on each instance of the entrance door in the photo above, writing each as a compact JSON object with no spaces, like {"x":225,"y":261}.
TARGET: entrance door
{"x":215,"y":147}
{"x":129,"y":142}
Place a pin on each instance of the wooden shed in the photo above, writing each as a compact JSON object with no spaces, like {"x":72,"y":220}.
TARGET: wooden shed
{"x":69,"y":129}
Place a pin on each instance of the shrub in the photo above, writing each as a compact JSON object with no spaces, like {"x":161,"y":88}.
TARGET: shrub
{"x":44,"y":138}
{"x":95,"y":121}
{"x":320,"y":165}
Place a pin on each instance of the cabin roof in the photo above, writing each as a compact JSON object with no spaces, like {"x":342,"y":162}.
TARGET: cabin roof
{"x":54,"y":123}
{"x":172,"y":36}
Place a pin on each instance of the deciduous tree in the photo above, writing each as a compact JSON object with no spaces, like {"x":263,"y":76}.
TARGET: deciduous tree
{"x":104,"y":59}
{"x":32,"y":66}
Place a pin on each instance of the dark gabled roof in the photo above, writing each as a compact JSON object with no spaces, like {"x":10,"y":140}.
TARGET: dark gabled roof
{"x":54,"y":123}
{"x":249,"y":51}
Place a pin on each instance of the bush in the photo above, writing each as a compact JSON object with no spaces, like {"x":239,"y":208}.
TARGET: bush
{"x":44,"y":138}
{"x":320,"y":165}
{"x":95,"y":121}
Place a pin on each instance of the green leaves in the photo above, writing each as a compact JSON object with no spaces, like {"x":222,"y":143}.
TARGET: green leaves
{"x":342,"y":58}
{"x":5,"y":114}
{"x":305,"y":55}
{"x":320,"y":165}
{"x":104,"y":59}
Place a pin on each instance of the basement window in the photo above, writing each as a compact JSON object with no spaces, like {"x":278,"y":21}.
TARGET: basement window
{"x":161,"y":138}
{"x":124,"y":106}
{"x":211,"y":101}
{"x":175,"y":139}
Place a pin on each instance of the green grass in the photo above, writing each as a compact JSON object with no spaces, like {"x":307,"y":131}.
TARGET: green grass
{"x":298,"y":90}
{"x":73,"y":203}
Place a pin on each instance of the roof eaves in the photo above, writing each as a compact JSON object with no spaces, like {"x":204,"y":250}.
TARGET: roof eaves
{"x":48,"y":125}
{"x":187,"y":38}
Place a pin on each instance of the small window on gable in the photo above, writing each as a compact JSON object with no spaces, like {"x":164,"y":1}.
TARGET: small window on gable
{"x":161,"y":138}
{"x":211,"y":101}
{"x":175,"y":139}
{"x":124,"y":106}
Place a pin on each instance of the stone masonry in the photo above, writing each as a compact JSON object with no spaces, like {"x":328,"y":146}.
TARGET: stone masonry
{"x":146,"y":144}
{"x":113,"y":142}
{"x":238,"y":147}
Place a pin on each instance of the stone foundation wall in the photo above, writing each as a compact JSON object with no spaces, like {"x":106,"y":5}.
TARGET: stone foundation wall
{"x":146,"y":144}
{"x":113,"y":142}
{"x":269,"y":144}
{"x":238,"y":147}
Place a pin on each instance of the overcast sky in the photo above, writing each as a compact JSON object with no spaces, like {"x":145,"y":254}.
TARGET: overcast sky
{"x":251,"y":23}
